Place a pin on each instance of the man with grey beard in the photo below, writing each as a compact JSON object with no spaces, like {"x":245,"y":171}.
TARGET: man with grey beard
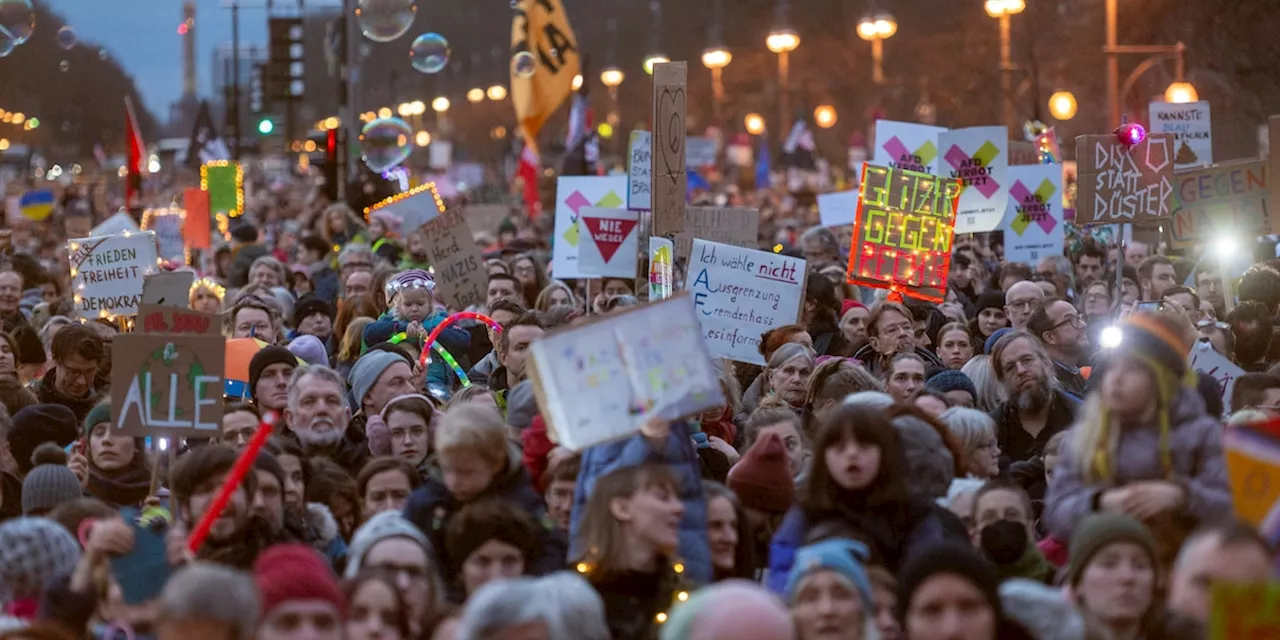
{"x":1037,"y":408}
{"x":318,"y":414}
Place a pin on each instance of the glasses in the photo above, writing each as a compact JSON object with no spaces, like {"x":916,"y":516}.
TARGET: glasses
{"x":1075,"y":321}
{"x":86,"y":375}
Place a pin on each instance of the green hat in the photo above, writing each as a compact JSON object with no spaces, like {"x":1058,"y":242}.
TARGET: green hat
{"x":100,"y":412}
{"x":1098,"y":530}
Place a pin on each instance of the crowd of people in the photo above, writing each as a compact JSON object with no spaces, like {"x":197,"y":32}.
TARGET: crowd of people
{"x":1035,"y":457}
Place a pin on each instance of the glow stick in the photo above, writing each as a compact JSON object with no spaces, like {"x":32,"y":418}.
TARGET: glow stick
{"x":461,"y":315}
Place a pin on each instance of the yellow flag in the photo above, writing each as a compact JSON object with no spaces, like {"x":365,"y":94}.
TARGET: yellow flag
{"x":541,"y":30}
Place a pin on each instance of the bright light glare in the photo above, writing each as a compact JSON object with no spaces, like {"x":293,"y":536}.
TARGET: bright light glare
{"x":1110,"y":337}
{"x":1226,"y":247}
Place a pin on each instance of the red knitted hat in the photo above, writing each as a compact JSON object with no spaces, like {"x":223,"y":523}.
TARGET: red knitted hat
{"x":761,"y":478}
{"x":294,"y":572}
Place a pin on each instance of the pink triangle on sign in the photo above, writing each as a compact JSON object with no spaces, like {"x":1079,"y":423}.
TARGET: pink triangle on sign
{"x":608,"y":234}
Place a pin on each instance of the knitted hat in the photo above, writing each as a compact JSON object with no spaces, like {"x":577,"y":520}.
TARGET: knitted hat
{"x":950,"y":558}
{"x":841,"y":555}
{"x":367,"y":370}
{"x":930,"y":466}
{"x":99,"y":414}
{"x":35,"y":553}
{"x":1098,"y":530}
{"x":294,"y":572}
{"x":30,"y":348}
{"x":993,"y":338}
{"x":951,"y":380}
{"x":990,"y":300}
{"x":388,"y":524}
{"x":850,"y":304}
{"x":310,"y":305}
{"x":506,"y":226}
{"x":761,"y":478}
{"x":408,"y":279}
{"x":37,"y":424}
{"x":50,"y":483}
{"x":310,"y":350}
{"x":1156,"y":340}
{"x":481,"y":521}
{"x":268,"y":356}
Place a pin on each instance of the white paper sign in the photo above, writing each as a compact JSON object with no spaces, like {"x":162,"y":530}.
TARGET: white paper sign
{"x":1033,"y":225}
{"x":638,"y":184}
{"x":413,"y":211}
{"x":572,"y":194}
{"x":115,"y":225}
{"x":838,"y":208}
{"x":699,"y":152}
{"x":610,"y":242}
{"x":107,"y":274}
{"x":601,"y":380}
{"x":742,"y":293}
{"x":907,"y":145}
{"x":1190,"y":126}
{"x":170,"y":244}
{"x":979,"y":158}
{"x":1208,"y":361}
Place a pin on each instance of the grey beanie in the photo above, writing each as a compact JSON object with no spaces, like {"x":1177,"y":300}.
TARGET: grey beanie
{"x":388,"y":524}
{"x":366,"y":372}
{"x":48,"y":486}
{"x":35,"y":554}
{"x":930,"y":467}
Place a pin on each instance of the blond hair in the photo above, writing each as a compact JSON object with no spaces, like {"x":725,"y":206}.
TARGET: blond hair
{"x":473,"y":428}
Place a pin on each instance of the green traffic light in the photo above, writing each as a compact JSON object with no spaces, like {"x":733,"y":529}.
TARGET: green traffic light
{"x":265,"y":127}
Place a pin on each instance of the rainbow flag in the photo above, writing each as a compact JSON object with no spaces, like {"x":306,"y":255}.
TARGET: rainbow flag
{"x":36,"y":205}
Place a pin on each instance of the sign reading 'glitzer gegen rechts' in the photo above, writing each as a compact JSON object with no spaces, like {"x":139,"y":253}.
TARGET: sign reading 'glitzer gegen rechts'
{"x":903,"y":232}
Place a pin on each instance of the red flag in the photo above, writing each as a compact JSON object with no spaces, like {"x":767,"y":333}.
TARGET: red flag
{"x":528,"y":172}
{"x":133,"y":137}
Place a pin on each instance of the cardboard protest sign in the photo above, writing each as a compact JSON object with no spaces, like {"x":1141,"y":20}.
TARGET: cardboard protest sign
{"x":485,"y":217}
{"x":669,"y":178}
{"x":196,"y":232}
{"x":414,"y":207}
{"x":1244,"y":611}
{"x":572,"y":194}
{"x":1253,"y":462}
{"x":1228,"y":198}
{"x":458,"y":263}
{"x":639,"y":162}
{"x":171,"y":288}
{"x":1208,"y":361}
{"x":155,"y":319}
{"x":1120,"y":183}
{"x":107,"y":273}
{"x":610,"y":242}
{"x":1190,"y":126}
{"x":601,"y":380}
{"x":979,"y":158}
{"x":167,"y":224}
{"x":839,"y":208}
{"x":740,"y":294}
{"x":114,"y":226}
{"x":1033,"y":225}
{"x":166,"y":385}
{"x":738,"y":226}
{"x":907,"y":145}
{"x":902,"y":237}
{"x":661,"y":268}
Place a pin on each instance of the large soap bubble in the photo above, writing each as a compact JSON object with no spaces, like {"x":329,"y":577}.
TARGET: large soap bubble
{"x":385,"y":20}
{"x":385,"y":143}
{"x":429,"y":53}
{"x":17,"y":21}
{"x":523,"y":64}
{"x":66,"y":38}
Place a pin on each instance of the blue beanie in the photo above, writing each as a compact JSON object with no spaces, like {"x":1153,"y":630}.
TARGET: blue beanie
{"x":951,"y":380}
{"x":991,"y":341}
{"x":841,"y":555}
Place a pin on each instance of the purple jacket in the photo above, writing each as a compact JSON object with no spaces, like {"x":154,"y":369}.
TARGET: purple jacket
{"x":1195,"y":440}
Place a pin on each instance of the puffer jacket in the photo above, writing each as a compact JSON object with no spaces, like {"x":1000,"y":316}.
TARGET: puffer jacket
{"x":453,"y":339}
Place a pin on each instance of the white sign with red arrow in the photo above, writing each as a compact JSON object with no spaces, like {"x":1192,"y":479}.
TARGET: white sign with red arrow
{"x":610,"y":242}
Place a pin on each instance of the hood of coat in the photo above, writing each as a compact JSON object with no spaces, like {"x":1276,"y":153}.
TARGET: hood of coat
{"x":322,"y":522}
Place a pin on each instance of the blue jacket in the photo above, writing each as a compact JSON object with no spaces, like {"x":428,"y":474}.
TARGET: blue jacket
{"x":677,"y":452}
{"x":453,"y":339}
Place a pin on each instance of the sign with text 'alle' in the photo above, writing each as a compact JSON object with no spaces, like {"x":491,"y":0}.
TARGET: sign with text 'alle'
{"x":669,"y":176}
{"x":107,"y":274}
{"x":742,"y":293}
{"x":573,"y":193}
{"x":167,"y":385}
{"x":458,"y":263}
{"x":1190,"y":126}
{"x":609,"y":242}
{"x":599,"y":381}
{"x":1227,"y":198}
{"x":1033,"y":225}
{"x":903,"y":234}
{"x":639,"y":160}
{"x":907,"y":145}
{"x":738,"y":226}
{"x":979,"y":158}
{"x":1121,"y":183}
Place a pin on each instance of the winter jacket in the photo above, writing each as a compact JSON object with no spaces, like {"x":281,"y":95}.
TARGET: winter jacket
{"x":30,"y":298}
{"x":350,"y":453}
{"x":453,"y":339}
{"x":1015,"y":443}
{"x":238,"y":274}
{"x":678,"y":453}
{"x":46,"y":390}
{"x":317,"y":527}
{"x":483,"y":371}
{"x":324,"y":282}
{"x":876,"y":363}
{"x":537,"y":446}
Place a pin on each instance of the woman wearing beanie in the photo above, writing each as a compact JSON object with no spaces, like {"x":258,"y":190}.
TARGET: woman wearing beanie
{"x":853,"y":323}
{"x":949,"y":592}
{"x":297,"y":589}
{"x":990,"y":316}
{"x":829,"y":594}
{"x":1143,"y":445}
{"x":35,"y":553}
{"x":388,"y":542}
{"x":117,"y":467}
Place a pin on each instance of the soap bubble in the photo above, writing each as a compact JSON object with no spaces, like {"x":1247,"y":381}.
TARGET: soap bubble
{"x":103,"y":55}
{"x":523,"y":64}
{"x":17,"y":21}
{"x":66,"y":38}
{"x":429,"y":53}
{"x":385,"y":143}
{"x":385,"y":20}
{"x":64,"y":66}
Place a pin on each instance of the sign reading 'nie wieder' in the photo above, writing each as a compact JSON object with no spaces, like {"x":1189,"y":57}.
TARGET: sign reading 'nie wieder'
{"x":902,"y":235}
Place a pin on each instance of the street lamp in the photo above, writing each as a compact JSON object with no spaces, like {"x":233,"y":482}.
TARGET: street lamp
{"x":652,"y":59}
{"x":1002,"y":10}
{"x":754,"y":123}
{"x":440,"y":104}
{"x":612,"y":77}
{"x":497,"y":92}
{"x":1181,"y":92}
{"x":716,"y":59}
{"x":825,"y":116}
{"x":782,"y":42}
{"x":877,"y":29}
{"x":404,"y":110}
{"x":1062,"y":105}
{"x":475,"y":95}
{"x":422,"y":139}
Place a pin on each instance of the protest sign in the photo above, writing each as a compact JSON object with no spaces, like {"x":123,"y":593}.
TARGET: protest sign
{"x":601,"y":380}
{"x":740,"y":294}
{"x":154,"y":319}
{"x":107,"y":273}
{"x":661,"y":268}
{"x":196,"y":231}
{"x":1206,"y":360}
{"x":906,"y":145}
{"x":166,"y":385}
{"x":1022,"y":152}
{"x":1189,"y":124}
{"x":902,"y":237}
{"x":414,"y":207}
{"x":1253,"y":462}
{"x":1244,"y":611}
{"x":1222,"y":199}
{"x":1124,"y":183}
{"x":639,"y":153}
{"x":458,"y":263}
{"x":669,"y":178}
{"x":839,"y":208}
{"x":979,"y":158}
{"x":738,"y":226}
{"x":1033,"y":226}
{"x":170,"y":288}
{"x":572,"y":194}
{"x":609,"y":242}
{"x":485,"y":217}
{"x":167,"y":224}
{"x":700,"y":152}
{"x":224,"y":182}
{"x":115,"y":225}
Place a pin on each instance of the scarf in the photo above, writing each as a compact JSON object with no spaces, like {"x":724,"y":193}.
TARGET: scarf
{"x":124,"y":487}
{"x":1032,"y":565}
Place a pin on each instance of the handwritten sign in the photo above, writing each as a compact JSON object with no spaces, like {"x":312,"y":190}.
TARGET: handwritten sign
{"x":1120,"y":183}
{"x":1206,"y":360}
{"x":107,"y":273}
{"x":740,"y":294}
{"x":572,"y":194}
{"x":979,"y":158}
{"x":737,"y":226}
{"x":670,"y":179}
{"x":178,"y":321}
{"x":1033,"y":225}
{"x":166,"y":385}
{"x":907,"y":145}
{"x":902,"y":237}
{"x":700,"y":152}
{"x":840,"y":207}
{"x":414,"y":207}
{"x":601,"y":380}
{"x":640,"y":161}
{"x":1190,"y":126}
{"x":610,"y":242}
{"x":1244,"y":611}
{"x":1229,"y":198}
{"x":456,"y":258}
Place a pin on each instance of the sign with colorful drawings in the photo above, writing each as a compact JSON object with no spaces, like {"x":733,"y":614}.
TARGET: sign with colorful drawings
{"x":1122,"y":183}
{"x":907,"y":145}
{"x":572,"y":194}
{"x":1223,"y":198}
{"x":107,"y":274}
{"x":903,"y":233}
{"x":979,"y":158}
{"x":1190,"y":126}
{"x":166,"y":385}
{"x":1033,"y":225}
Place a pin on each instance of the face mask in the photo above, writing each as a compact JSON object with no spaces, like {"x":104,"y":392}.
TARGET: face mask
{"x":1004,"y":541}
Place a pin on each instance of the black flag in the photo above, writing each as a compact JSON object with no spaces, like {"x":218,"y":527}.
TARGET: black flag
{"x":205,"y":144}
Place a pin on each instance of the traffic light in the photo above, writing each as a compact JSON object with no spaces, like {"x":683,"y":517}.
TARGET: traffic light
{"x":266,"y":126}
{"x":286,"y":62}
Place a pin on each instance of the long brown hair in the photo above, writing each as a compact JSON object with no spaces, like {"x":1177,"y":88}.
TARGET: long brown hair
{"x":361,"y":306}
{"x":867,"y":427}
{"x":601,"y":536}
{"x":836,"y":378}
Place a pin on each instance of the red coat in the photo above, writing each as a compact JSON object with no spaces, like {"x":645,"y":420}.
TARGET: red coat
{"x":536,"y":447}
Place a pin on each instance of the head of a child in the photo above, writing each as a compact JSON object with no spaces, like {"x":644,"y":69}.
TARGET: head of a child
{"x":471,"y":446}
{"x":410,"y":293}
